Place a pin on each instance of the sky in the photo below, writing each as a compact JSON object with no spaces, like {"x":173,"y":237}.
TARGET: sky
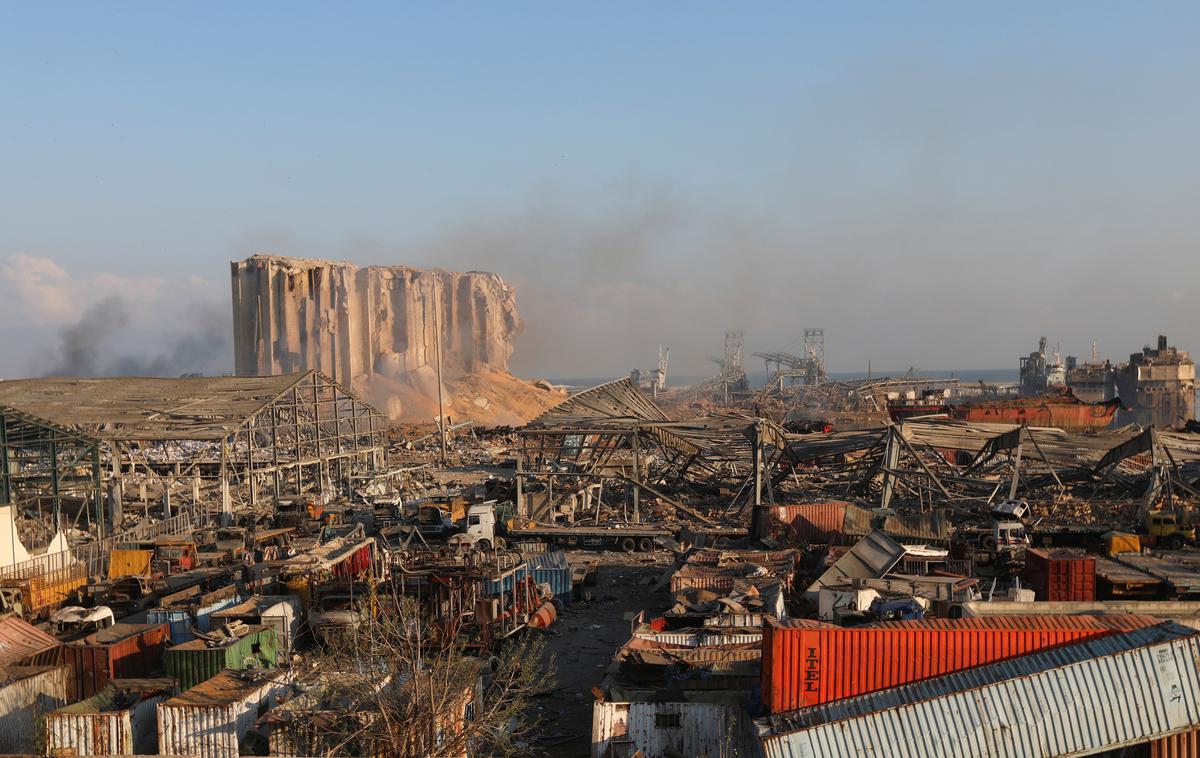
{"x":934,"y":184}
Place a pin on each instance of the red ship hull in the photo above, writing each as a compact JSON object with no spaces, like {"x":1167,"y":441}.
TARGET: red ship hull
{"x":1066,"y":413}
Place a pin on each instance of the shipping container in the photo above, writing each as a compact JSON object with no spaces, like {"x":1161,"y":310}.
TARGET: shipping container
{"x":122,"y":651}
{"x":1092,"y":697}
{"x":213,"y":718}
{"x":27,"y":692}
{"x":180,"y":620}
{"x":279,"y":612}
{"x":552,"y":568}
{"x":1182,"y":745}
{"x":807,"y":523}
{"x":194,"y":662}
{"x":1060,"y":575}
{"x":24,"y":644}
{"x":806,"y":662}
{"x":121,"y":719}
{"x":666,"y":729}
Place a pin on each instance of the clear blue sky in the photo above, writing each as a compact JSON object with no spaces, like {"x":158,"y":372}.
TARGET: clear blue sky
{"x":936,"y":184}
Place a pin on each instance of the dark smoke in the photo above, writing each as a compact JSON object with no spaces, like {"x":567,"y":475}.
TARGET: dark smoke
{"x":98,"y":344}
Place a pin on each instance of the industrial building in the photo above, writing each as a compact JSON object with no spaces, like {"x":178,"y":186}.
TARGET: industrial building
{"x":1158,"y":386}
{"x":69,"y":445}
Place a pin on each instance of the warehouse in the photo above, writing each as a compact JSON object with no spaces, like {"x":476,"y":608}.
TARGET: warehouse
{"x":214,"y":443}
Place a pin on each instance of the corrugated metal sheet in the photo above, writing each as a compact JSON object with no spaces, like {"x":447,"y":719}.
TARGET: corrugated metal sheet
{"x":669,"y":729}
{"x":700,"y":637}
{"x":20,"y":641}
{"x":194,"y":662}
{"x":25,"y":694}
{"x":211,"y":719}
{"x":1077,"y":700}
{"x":123,"y":651}
{"x":807,"y":663}
{"x":870,"y":558}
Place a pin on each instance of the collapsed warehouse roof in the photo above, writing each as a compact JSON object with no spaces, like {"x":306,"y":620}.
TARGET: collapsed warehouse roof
{"x":732,"y":462}
{"x":240,"y":435}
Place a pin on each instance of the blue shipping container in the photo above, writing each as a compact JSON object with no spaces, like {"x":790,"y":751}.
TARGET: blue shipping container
{"x":552,"y":569}
{"x":180,"y":622}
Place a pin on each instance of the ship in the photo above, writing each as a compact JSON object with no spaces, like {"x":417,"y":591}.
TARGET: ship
{"x":1061,"y":410}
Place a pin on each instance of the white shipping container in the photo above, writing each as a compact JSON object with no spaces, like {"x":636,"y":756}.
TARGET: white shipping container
{"x":661,"y":730}
{"x":129,"y":731}
{"x":211,"y":719}
{"x":26,"y":693}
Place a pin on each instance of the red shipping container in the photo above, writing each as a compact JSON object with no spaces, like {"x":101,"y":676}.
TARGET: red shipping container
{"x":1184,"y":745}
{"x":808,"y":663}
{"x":122,"y":651}
{"x":1060,"y":575}
{"x":807,"y":523}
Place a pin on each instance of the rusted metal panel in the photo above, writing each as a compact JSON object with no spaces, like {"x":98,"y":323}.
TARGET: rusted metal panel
{"x":25,"y":694}
{"x":806,"y":663}
{"x":667,"y":729}
{"x":1063,"y":412}
{"x":211,"y":719}
{"x":1091,"y":697}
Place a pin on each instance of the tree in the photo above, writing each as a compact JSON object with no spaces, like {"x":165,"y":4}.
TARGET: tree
{"x":401,"y":683}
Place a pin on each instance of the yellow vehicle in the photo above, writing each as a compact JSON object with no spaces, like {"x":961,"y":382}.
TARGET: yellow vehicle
{"x":1169,"y":529}
{"x":40,"y":593}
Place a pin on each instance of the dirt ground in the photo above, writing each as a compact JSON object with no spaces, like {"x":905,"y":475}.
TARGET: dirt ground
{"x":583,"y":640}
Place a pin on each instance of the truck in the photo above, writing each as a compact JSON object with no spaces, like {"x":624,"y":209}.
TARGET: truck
{"x":38,"y":593}
{"x":1169,"y":529}
{"x":481,"y":531}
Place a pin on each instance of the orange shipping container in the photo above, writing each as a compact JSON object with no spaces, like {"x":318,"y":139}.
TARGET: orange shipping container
{"x":806,"y":523}
{"x":1060,"y":575}
{"x":1185,"y":745}
{"x":808,"y":663}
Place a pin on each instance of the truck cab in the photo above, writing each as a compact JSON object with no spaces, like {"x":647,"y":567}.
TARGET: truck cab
{"x":479,"y":528}
{"x":1169,"y":529}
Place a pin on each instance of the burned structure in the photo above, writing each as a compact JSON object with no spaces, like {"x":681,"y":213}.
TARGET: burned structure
{"x":1158,"y":386}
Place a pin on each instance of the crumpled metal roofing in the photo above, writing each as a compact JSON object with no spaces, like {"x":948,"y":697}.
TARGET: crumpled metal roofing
{"x":603,"y":404}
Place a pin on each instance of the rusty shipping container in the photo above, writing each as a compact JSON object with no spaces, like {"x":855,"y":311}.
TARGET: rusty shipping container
{"x":121,"y":719}
{"x":1060,"y":575}
{"x":24,"y":644}
{"x":26,"y":692}
{"x":211,"y":719}
{"x":807,"y":523}
{"x":122,"y":651}
{"x":807,"y":663}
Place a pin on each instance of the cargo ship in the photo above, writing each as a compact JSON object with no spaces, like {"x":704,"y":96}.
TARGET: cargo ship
{"x":1063,"y":411}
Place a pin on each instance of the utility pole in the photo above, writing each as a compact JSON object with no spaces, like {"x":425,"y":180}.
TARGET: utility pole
{"x":437,"y":321}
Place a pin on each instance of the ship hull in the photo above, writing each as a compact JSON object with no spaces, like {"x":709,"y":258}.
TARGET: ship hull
{"x":1067,"y":414}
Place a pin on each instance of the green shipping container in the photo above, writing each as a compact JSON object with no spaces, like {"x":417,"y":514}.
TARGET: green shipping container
{"x":194,"y":662}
